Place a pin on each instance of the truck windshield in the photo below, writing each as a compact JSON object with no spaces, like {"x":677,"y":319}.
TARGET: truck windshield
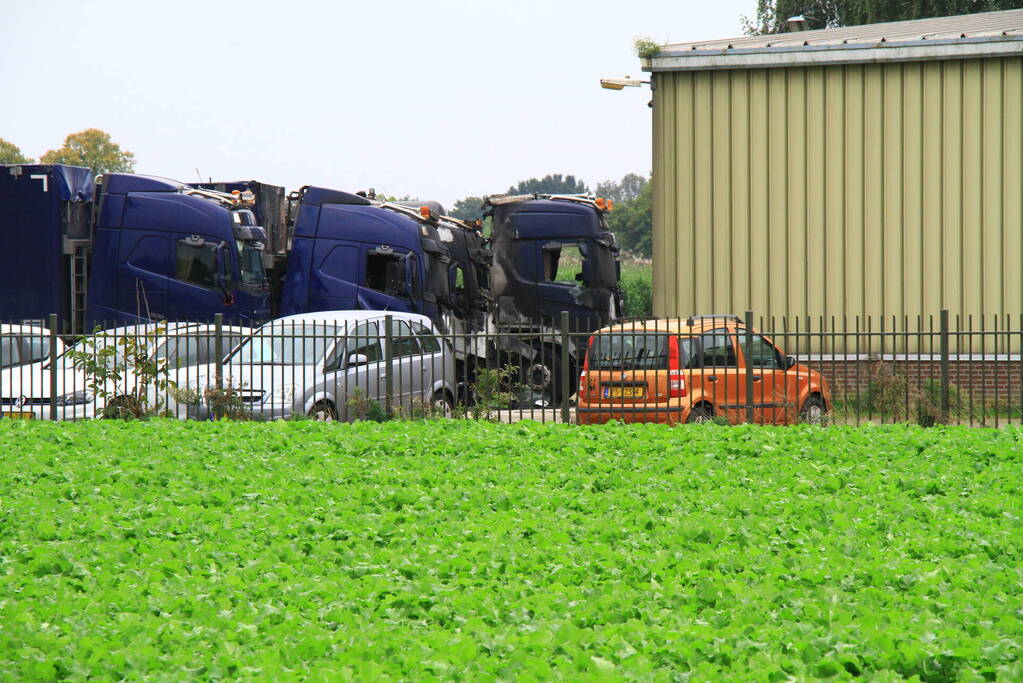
{"x":250,"y":263}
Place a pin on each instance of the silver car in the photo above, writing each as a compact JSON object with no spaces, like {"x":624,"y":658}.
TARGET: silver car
{"x":333,"y":364}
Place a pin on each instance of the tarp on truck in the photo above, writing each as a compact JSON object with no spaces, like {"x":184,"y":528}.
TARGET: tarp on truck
{"x":39,"y":206}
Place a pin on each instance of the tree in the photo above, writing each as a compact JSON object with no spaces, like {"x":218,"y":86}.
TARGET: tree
{"x":467,"y":208}
{"x":772,"y":14}
{"x":10,"y":154}
{"x":92,"y":148}
{"x":632,"y":221}
{"x":628,"y":189}
{"x":550,"y":184}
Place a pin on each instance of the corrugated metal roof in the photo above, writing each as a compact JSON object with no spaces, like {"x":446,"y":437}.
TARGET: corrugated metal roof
{"x":958,"y":36}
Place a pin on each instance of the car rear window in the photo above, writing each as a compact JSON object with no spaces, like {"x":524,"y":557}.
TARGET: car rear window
{"x":629,"y":351}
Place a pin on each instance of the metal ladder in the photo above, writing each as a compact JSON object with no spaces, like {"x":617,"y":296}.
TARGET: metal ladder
{"x":78,"y":279}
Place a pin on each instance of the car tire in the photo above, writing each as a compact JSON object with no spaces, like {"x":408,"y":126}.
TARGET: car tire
{"x":814,"y":411}
{"x":700,"y":414}
{"x":441,"y":405}
{"x":326,"y":408}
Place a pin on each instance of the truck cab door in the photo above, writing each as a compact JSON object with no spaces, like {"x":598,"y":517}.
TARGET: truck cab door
{"x":203,"y":281}
{"x":563,"y":283}
{"x":142,"y":279}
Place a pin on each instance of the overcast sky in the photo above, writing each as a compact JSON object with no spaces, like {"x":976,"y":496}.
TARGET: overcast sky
{"x":434,"y":100}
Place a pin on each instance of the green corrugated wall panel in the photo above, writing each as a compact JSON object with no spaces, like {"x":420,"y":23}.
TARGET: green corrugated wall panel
{"x":850,"y":190}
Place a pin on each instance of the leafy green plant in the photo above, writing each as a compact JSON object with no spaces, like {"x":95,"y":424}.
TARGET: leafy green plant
{"x":122,"y":371}
{"x":492,"y":391}
{"x":464,"y":550}
{"x":645,"y":48}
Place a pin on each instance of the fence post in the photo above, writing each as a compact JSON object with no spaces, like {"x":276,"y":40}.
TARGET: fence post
{"x":388,"y":363}
{"x":53,"y":367}
{"x":218,"y":351}
{"x":749,"y":366}
{"x":944,"y":363}
{"x":566,"y":359}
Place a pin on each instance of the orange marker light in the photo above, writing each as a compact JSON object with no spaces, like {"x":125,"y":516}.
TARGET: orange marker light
{"x":424,"y":211}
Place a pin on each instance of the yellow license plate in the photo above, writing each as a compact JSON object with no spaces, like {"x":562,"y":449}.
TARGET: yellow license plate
{"x":19,"y":416}
{"x":624,"y":392}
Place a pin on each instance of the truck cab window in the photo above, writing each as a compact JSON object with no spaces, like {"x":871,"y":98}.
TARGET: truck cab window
{"x":250,"y":262}
{"x":385,"y":273}
{"x":197,"y":263}
{"x":563,"y":263}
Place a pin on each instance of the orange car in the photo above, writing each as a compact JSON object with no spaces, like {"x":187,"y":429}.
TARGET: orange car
{"x":694,"y":370}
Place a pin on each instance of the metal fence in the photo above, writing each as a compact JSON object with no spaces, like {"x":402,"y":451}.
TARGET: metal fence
{"x":379,"y":366}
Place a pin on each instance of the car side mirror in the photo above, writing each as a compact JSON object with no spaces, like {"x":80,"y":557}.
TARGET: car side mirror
{"x":790,"y":362}
{"x":357,"y":359}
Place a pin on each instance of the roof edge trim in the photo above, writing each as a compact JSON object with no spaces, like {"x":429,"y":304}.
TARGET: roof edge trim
{"x":815,"y":55}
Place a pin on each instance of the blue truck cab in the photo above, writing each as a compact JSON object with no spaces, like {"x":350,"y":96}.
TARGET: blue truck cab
{"x":164,"y":250}
{"x":350,"y":253}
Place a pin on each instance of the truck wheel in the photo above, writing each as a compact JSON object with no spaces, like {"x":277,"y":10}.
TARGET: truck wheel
{"x":541,"y":375}
{"x":814,"y":411}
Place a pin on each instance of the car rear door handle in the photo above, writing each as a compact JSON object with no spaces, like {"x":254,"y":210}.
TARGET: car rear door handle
{"x":756,"y":378}
{"x":712,"y":378}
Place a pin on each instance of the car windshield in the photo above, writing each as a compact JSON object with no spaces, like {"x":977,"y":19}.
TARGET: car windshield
{"x":287,"y":345}
{"x":250,"y":262}
{"x":628,"y":350}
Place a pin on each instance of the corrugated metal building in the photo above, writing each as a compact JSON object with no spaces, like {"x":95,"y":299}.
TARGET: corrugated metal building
{"x":870,"y":170}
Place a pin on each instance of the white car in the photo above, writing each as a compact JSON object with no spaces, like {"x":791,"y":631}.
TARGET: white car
{"x":181,"y":348}
{"x":331,"y":361}
{"x":25,"y":344}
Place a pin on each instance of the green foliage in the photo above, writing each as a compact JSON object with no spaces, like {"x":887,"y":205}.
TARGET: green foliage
{"x":645,"y":48}
{"x":94,"y":149}
{"x":122,"y":372}
{"x":467,"y":209}
{"x":491,"y":391}
{"x":550,"y":184}
{"x":890,"y":395}
{"x":632,"y":219}
{"x":456,"y":550}
{"x":637,"y":292}
{"x":11,"y":154}
{"x":625,"y":190}
{"x":771,"y":15}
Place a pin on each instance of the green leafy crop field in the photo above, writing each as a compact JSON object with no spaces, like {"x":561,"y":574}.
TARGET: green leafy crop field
{"x":460,"y":550}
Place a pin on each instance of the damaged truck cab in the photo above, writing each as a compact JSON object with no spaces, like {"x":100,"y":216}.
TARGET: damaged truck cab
{"x":554,"y":253}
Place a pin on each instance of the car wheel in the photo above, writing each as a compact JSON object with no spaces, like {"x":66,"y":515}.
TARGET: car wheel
{"x":441,"y":406}
{"x":323,"y":411}
{"x":814,"y":411}
{"x":700,"y":414}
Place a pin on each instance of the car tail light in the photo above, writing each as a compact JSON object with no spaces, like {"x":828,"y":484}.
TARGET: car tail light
{"x":676,"y":382}
{"x":586,"y":367}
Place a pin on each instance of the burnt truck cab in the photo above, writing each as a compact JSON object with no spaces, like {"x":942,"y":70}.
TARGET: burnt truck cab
{"x":350,"y":253}
{"x":554,"y":253}
{"x":164,"y":250}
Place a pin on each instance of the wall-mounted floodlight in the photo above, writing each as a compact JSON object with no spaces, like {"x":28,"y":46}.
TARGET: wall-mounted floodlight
{"x":621,"y":83}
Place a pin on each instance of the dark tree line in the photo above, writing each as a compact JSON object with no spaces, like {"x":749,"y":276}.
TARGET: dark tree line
{"x":771,"y":14}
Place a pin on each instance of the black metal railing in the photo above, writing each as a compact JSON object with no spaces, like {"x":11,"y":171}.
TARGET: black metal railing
{"x":933,"y":370}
